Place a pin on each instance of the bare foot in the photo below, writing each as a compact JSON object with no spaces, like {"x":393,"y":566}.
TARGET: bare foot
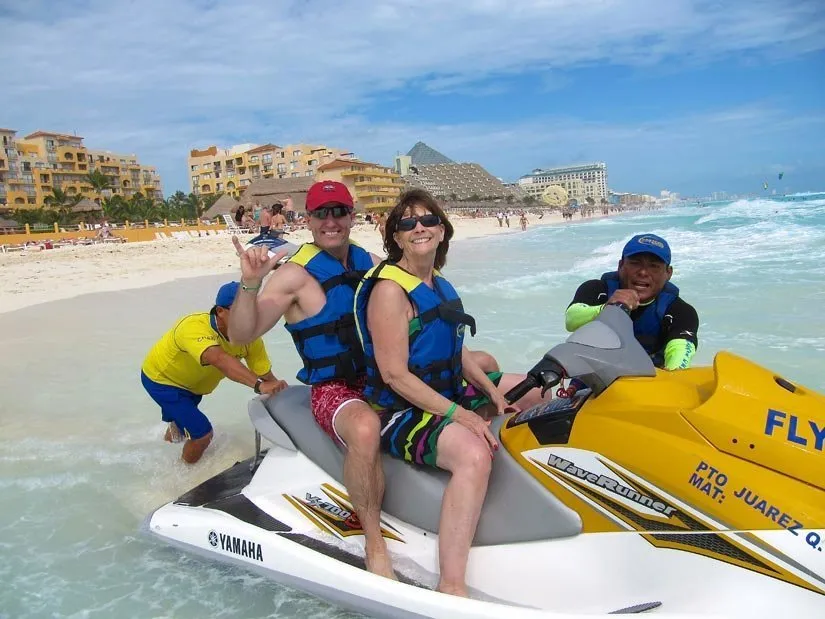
{"x":193,"y":448}
{"x":460,"y":591}
{"x":379,"y":562}
{"x":173,"y":434}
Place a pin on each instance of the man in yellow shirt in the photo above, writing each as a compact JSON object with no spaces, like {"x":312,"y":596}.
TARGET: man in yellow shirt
{"x":190,"y":360}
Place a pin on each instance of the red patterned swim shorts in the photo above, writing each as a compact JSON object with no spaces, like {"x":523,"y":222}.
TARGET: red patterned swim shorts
{"x":326,"y":399}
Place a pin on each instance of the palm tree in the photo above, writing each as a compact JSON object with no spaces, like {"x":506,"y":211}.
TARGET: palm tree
{"x":61,"y":204}
{"x":173,"y":207}
{"x":56,"y":198}
{"x":192,"y":207}
{"x":99,"y":182}
{"x":115,"y":208}
{"x":30,"y":216}
{"x":143,"y":207}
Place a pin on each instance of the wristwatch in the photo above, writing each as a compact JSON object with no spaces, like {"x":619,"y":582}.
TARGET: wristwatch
{"x":258,"y":384}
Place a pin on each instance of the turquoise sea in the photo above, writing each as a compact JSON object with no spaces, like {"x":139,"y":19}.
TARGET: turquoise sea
{"x":81,"y":456}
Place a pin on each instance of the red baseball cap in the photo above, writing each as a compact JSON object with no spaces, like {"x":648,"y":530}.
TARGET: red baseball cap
{"x":328,"y":192}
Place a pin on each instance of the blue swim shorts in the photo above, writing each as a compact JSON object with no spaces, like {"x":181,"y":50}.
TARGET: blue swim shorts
{"x":180,"y":406}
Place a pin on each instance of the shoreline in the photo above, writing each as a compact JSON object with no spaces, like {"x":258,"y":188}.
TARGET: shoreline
{"x":28,"y":279}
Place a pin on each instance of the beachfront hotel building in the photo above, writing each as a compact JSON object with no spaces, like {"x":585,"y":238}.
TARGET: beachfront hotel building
{"x":31,"y":167}
{"x":373,"y":186}
{"x":231,"y":170}
{"x":426,"y":168}
{"x":580,"y":181}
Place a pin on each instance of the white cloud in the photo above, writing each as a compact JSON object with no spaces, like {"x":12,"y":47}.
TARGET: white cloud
{"x":158,"y":78}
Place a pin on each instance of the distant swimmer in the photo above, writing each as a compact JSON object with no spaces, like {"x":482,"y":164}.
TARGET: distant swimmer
{"x":664,"y":323}
{"x":189,"y":362}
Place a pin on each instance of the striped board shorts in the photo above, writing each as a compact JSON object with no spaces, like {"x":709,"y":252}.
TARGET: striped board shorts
{"x":412,"y":434}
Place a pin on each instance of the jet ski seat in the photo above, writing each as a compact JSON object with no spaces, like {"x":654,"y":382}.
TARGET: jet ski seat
{"x":517,"y":508}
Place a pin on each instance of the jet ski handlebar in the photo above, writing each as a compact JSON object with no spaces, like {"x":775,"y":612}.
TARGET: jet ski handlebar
{"x":546,"y":374}
{"x":597,"y":353}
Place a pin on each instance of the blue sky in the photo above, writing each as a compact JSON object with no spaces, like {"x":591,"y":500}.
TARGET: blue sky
{"x":692,"y":96}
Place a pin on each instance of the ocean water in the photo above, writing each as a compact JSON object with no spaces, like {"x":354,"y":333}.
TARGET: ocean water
{"x":81,"y":456}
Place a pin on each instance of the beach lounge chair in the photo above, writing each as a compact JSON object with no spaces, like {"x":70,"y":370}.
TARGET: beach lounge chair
{"x":233,"y":227}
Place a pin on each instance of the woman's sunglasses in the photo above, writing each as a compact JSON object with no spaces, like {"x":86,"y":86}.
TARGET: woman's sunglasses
{"x":324,"y":211}
{"x":409,"y":223}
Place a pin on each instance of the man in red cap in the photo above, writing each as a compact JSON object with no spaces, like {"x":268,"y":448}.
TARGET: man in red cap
{"x":315,"y":291}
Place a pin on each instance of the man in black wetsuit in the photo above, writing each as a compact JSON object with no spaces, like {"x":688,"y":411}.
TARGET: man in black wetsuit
{"x":664,"y":323}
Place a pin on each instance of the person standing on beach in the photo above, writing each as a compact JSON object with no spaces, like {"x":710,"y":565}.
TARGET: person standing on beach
{"x":381,"y":224}
{"x":665,"y":325}
{"x":289,"y":210}
{"x":189,"y":362}
{"x":278,"y":221}
{"x":266,"y":220}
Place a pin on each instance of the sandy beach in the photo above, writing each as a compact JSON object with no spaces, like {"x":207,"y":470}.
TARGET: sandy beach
{"x":29,"y":278}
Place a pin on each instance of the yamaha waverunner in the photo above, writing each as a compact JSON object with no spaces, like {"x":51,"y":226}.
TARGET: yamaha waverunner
{"x":692,"y":493}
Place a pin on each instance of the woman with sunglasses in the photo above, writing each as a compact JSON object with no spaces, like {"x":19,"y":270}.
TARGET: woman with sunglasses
{"x":421,"y":379}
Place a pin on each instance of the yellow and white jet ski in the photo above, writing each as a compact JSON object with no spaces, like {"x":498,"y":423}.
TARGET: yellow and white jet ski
{"x":692,"y":493}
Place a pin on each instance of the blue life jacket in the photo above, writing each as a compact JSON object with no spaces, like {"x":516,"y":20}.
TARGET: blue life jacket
{"x":327,"y":342}
{"x":435,"y":349}
{"x":649,"y":327}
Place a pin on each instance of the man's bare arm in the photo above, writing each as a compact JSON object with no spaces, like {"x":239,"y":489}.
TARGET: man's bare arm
{"x":229,"y":366}
{"x":237,"y":371}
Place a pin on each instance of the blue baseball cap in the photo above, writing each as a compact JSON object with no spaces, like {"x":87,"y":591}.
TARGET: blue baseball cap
{"x":226,"y":294}
{"x":648,"y":244}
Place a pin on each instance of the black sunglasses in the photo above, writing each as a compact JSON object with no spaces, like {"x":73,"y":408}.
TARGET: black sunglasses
{"x":337,"y":212}
{"x":409,"y":223}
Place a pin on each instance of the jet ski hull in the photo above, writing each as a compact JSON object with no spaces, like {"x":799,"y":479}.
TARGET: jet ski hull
{"x":292,"y":522}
